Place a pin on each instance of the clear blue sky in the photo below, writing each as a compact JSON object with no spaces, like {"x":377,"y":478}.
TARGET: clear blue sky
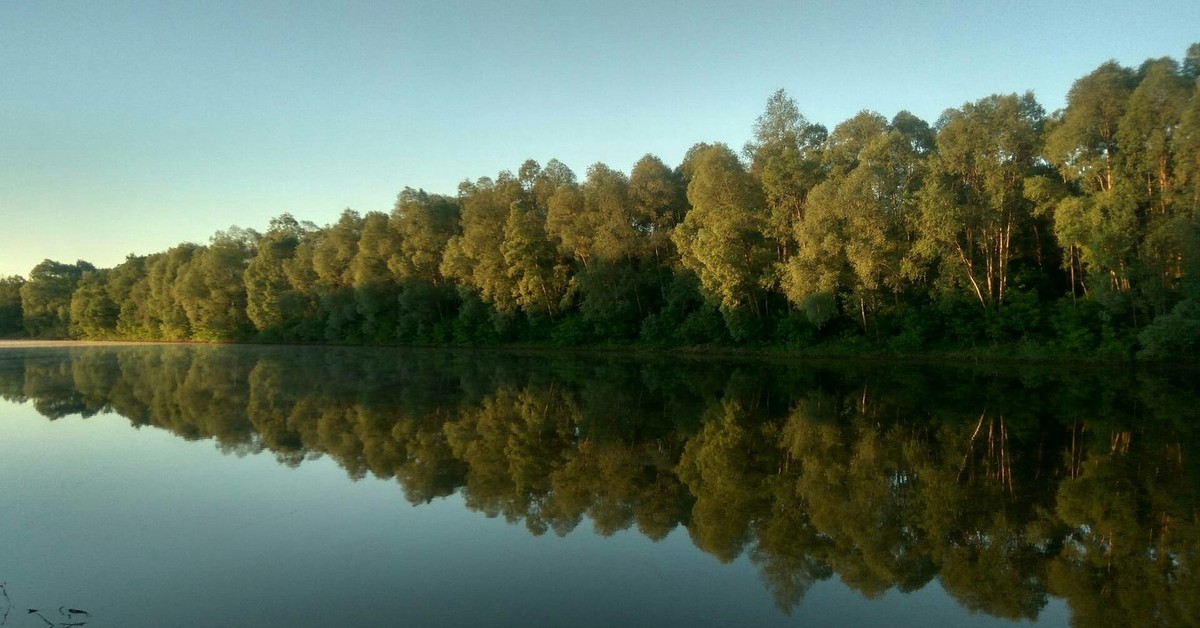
{"x":130,"y":127}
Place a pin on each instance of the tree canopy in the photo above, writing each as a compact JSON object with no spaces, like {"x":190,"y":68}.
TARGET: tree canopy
{"x":999,"y":226}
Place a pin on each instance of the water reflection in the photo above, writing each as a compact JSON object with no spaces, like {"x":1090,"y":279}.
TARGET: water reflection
{"x":1007,"y":485}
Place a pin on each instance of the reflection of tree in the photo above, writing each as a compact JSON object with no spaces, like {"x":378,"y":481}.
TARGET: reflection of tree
{"x":1007,"y":488}
{"x":511,"y":444}
{"x":725,"y":466}
{"x":1132,"y":536}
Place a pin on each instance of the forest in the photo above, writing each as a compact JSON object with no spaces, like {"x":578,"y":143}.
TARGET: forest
{"x":999,"y":229}
{"x":1008,"y":486}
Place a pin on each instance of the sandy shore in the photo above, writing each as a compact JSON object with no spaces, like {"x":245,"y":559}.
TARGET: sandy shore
{"x":29,"y":344}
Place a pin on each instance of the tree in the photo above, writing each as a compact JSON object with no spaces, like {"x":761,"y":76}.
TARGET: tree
{"x":1121,"y":221}
{"x":375,"y":286}
{"x":211,"y":287}
{"x":333,"y":253}
{"x":504,"y":252}
{"x":595,"y":219}
{"x":274,"y":304}
{"x":722,"y":238}
{"x":11,"y":323}
{"x":785,"y":157}
{"x":538,"y":275}
{"x":973,"y":208}
{"x":1146,"y":135}
{"x":658,"y":200}
{"x":1146,"y":131}
{"x":163,"y":315}
{"x":857,"y":231}
{"x":1084,"y":143}
{"x":46,"y":297}
{"x":93,"y":311}
{"x":128,"y":288}
{"x":474,"y":258}
{"x":424,"y":223}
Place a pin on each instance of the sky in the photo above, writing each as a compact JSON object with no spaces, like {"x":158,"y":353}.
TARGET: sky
{"x":129,"y":127}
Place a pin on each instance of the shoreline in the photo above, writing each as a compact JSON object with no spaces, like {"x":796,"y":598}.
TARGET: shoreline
{"x":41,"y":344}
{"x":688,"y":352}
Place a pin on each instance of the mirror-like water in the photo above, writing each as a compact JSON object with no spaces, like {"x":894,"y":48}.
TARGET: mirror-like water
{"x":403,"y":487}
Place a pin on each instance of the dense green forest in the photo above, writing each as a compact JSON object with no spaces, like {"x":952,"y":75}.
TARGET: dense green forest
{"x":999,"y":227}
{"x":1006,"y":486}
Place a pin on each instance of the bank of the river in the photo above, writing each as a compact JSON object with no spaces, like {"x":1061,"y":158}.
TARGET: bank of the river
{"x":997,"y":355}
{"x":11,"y":343}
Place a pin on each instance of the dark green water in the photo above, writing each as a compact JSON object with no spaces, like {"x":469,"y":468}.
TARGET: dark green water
{"x":271,"y":486}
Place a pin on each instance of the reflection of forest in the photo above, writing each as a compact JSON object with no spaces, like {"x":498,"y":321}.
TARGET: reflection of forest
{"x":1009,"y":487}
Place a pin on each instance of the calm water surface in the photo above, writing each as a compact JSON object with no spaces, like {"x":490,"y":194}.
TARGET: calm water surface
{"x":271,"y":486}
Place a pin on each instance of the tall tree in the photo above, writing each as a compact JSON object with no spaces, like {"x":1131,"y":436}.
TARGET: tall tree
{"x":595,"y":219}
{"x":93,"y":312}
{"x":424,"y":224}
{"x":785,"y":157}
{"x":11,"y":323}
{"x":973,"y":207}
{"x":538,"y":273}
{"x":474,"y":258}
{"x":1084,"y":143}
{"x":333,"y":254}
{"x":505,"y":252}
{"x":46,"y":297}
{"x":855,"y":237}
{"x":211,"y":287}
{"x":163,"y":313}
{"x":658,"y":199}
{"x":722,"y":238}
{"x":273,"y":303}
{"x":375,"y":286}
{"x":128,"y":287}
{"x":1147,"y":131}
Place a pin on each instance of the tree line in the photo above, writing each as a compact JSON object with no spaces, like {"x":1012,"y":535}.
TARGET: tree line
{"x":1000,"y":225}
{"x":1006,"y":486}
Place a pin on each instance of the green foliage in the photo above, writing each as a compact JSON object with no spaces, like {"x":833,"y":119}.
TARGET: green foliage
{"x":474,"y":259}
{"x":722,"y":238}
{"x":704,"y":326}
{"x":274,"y":305}
{"x":46,"y":297}
{"x":424,"y":224}
{"x":164,"y":316}
{"x":595,"y":220}
{"x":820,"y":308}
{"x":537,"y":274}
{"x":11,"y":323}
{"x":1084,"y":144}
{"x":614,"y":297}
{"x":128,"y":288}
{"x":785,"y":156}
{"x":973,"y":210}
{"x":658,"y":200}
{"x":93,"y":312}
{"x":426,"y":312}
{"x":859,"y":223}
{"x":211,"y":287}
{"x":998,"y":231}
{"x":1173,"y":335}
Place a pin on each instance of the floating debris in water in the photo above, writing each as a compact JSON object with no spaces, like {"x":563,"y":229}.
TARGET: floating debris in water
{"x":6,"y":606}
